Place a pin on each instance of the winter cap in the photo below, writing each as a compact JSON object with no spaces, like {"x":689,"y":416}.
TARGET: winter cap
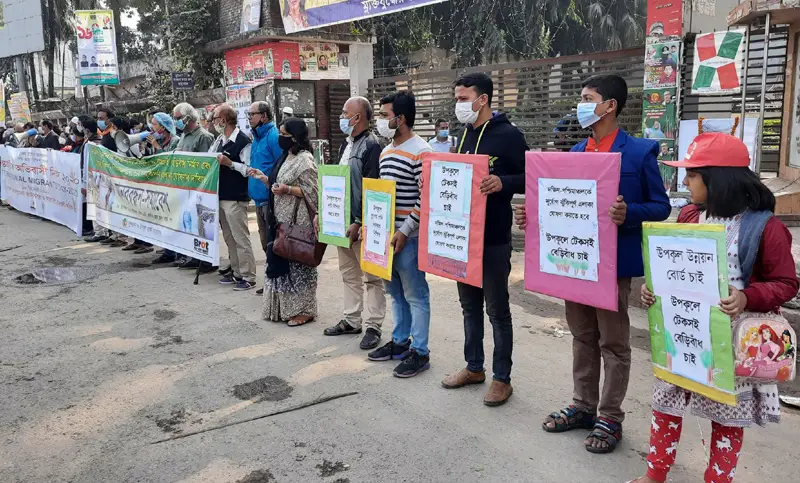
{"x":714,"y":149}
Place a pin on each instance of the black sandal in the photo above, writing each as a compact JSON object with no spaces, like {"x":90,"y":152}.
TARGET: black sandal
{"x":608,"y":431}
{"x":342,"y":328}
{"x":570,"y":418}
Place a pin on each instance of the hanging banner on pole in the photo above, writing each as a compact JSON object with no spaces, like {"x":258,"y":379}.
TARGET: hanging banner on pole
{"x":690,"y":338}
{"x":2,"y":105}
{"x":571,"y":242}
{"x":251,"y":15}
{"x":299,"y":15}
{"x":169,"y":200}
{"x":377,"y":253}
{"x":453,"y":216}
{"x":718,"y":60}
{"x":19,"y":108}
{"x":334,"y":204}
{"x":44,"y":183}
{"x":97,"y":47}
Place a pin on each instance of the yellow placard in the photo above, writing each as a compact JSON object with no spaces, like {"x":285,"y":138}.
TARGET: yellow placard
{"x":377,"y":208}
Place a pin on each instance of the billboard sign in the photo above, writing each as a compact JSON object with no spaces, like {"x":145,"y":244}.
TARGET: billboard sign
{"x":21,"y":29}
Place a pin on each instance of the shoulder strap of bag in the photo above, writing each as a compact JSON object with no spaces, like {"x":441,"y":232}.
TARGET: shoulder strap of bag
{"x":750,"y":232}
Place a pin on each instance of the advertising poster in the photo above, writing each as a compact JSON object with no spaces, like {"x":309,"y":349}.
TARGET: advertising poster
{"x":660,"y":119}
{"x":19,"y":108}
{"x":44,"y":183}
{"x":299,"y":15}
{"x":664,"y":19}
{"x":97,"y":47}
{"x":571,"y":242}
{"x":169,"y":200}
{"x":2,"y":104}
{"x":662,"y":60}
{"x":718,"y":60}
{"x":254,"y":65}
{"x":333,"y":183}
{"x":251,"y":15}
{"x":690,"y":337}
{"x":377,"y":253}
{"x":667,"y":152}
{"x":239,"y":98}
{"x":319,"y":61}
{"x":453,"y":216}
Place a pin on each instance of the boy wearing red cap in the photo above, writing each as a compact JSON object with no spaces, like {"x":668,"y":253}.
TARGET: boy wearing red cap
{"x":761,"y":276}
{"x":601,"y":333}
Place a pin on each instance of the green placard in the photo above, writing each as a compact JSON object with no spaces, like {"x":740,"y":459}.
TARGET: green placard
{"x":334,"y":204}
{"x":686,"y":269}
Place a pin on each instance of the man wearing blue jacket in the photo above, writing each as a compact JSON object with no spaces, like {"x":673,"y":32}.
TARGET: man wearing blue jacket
{"x":263,"y":155}
{"x":602,"y":334}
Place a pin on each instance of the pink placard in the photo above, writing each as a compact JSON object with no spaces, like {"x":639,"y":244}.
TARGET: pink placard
{"x":570,"y":240}
{"x":449,"y":261}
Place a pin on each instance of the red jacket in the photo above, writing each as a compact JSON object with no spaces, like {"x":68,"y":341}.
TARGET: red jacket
{"x":774,"y":281}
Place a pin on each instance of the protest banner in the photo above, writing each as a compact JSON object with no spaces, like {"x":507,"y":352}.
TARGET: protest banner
{"x":19,"y":107}
{"x":453,"y":216}
{"x":570,"y":240}
{"x":44,"y":183}
{"x":169,"y":199}
{"x":334,"y":204}
{"x":377,"y":252}
{"x":97,"y":47}
{"x":254,"y":65}
{"x":690,"y":338}
{"x":299,"y":16}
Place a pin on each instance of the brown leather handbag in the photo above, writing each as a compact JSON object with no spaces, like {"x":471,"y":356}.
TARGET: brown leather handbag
{"x":298,"y":243}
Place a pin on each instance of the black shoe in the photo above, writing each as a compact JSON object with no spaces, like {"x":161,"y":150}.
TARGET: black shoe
{"x":371,"y":339}
{"x":87,"y":233}
{"x":260,"y":291}
{"x":95,"y":239}
{"x":190,"y":264}
{"x":412,"y":365}
{"x":179,"y":260}
{"x":388,"y":352}
{"x":206,"y":267}
{"x":107,"y":241}
{"x":226,"y":271}
{"x":342,"y":328}
{"x":162,"y":259}
{"x":142,"y":250}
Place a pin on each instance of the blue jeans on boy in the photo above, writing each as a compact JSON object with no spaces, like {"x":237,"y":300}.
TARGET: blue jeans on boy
{"x":411,"y":299}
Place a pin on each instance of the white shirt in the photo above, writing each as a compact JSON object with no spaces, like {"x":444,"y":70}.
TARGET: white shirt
{"x":441,"y":146}
{"x":244,"y":155}
{"x":345,"y":161}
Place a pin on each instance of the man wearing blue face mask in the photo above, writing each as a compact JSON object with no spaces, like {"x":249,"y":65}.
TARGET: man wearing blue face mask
{"x":104,"y":128}
{"x":443,"y":142}
{"x":603,"y":334}
{"x":361,"y":152}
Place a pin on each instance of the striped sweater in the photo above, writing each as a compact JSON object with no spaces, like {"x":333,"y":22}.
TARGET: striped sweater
{"x":403,"y":164}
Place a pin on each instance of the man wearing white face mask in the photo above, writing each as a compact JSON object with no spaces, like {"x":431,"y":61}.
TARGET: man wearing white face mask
{"x":491,"y":134}
{"x":604,"y":334}
{"x":361,"y":152}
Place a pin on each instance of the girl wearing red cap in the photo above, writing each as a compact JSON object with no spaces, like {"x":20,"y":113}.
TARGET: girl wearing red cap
{"x":762,"y":277}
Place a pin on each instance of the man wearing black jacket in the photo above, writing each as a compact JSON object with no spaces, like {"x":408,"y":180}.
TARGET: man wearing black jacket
{"x":493,"y":135}
{"x":48,"y":139}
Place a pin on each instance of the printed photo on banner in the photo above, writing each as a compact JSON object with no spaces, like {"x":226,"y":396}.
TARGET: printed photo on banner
{"x":169,"y":200}
{"x":377,"y":230}
{"x":251,"y":15}
{"x":44,"y":183}
{"x":718,"y":60}
{"x":690,"y":337}
{"x":299,"y":15}
{"x":254,"y":65}
{"x":660,"y":114}
{"x":319,"y":61}
{"x":334,"y":204}
{"x":662,"y":61}
{"x":453,"y":216}
{"x":666,"y":152}
{"x":571,"y":242}
{"x":664,"y":20}
{"x":97,"y":47}
{"x":19,"y":108}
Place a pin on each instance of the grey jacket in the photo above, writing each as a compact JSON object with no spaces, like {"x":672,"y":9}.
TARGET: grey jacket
{"x":364,"y":159}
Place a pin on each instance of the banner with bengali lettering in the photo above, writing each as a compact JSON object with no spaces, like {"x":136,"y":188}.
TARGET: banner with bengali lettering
{"x":570,"y":240}
{"x":168,"y":199}
{"x":377,"y":253}
{"x":299,"y":15}
{"x":690,"y":338}
{"x":334,"y":204}
{"x":453,"y":216}
{"x":44,"y":183}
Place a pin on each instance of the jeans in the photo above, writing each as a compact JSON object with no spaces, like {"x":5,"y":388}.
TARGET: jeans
{"x":411,"y":301}
{"x":496,"y":269}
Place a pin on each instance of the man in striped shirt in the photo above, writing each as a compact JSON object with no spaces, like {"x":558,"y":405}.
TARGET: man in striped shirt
{"x":401,"y":162}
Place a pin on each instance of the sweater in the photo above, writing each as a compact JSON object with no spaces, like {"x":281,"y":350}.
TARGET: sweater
{"x":403,"y":164}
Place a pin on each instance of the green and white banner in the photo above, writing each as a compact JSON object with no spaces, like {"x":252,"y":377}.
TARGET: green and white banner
{"x":170,"y":200}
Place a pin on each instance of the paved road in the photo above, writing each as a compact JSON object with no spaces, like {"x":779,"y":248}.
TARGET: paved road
{"x":92,"y":372}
